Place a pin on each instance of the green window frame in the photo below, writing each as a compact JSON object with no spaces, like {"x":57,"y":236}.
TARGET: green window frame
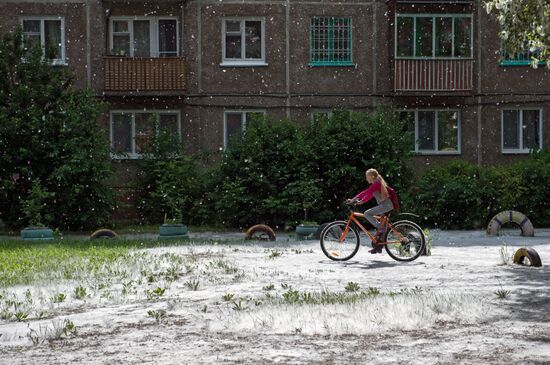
{"x":519,"y":59}
{"x":433,"y":36}
{"x":331,"y":42}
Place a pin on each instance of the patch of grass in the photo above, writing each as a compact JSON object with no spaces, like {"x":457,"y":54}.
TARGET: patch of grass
{"x":193,"y":284}
{"x":157,"y":315}
{"x":503,"y":293}
{"x":23,"y":262}
{"x":352,"y":287}
{"x":275,"y":254}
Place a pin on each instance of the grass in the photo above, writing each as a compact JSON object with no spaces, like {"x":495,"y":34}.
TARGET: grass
{"x":25,"y":262}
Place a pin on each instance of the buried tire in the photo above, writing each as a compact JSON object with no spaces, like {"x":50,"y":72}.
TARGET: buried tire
{"x":527,"y":256}
{"x":260,"y":232}
{"x":103,"y":233}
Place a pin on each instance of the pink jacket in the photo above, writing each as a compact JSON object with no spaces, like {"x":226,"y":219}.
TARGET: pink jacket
{"x":375,"y":190}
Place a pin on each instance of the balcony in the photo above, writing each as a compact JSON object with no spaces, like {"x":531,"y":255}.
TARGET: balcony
{"x":433,"y":75}
{"x":143,"y":75}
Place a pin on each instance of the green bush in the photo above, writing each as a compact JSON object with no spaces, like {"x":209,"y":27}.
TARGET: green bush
{"x":49,"y":137}
{"x":278,"y":173}
{"x":169,"y":179}
{"x":255,"y":172}
{"x":455,"y":195}
{"x":525,"y":186}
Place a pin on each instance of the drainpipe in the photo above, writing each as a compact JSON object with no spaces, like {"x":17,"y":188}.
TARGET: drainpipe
{"x":287,"y":55}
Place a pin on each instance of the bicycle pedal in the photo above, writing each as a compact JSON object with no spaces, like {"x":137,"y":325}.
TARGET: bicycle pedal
{"x":333,"y":253}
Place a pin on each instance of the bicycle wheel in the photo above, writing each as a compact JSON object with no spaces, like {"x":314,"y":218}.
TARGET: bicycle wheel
{"x":335,"y":245}
{"x":405,"y":242}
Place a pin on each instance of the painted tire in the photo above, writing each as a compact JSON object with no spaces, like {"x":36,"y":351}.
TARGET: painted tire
{"x":103,"y":233}
{"x":306,"y":232}
{"x":37,"y":233}
{"x":511,"y":216}
{"x":169,"y":231}
{"x":260,"y":232}
{"x":533,"y":258}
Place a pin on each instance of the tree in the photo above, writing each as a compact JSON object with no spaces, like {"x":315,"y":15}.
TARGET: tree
{"x":525,"y":26}
{"x":49,"y":137}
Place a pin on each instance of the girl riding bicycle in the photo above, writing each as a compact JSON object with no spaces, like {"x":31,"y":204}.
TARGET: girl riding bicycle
{"x":386,"y":199}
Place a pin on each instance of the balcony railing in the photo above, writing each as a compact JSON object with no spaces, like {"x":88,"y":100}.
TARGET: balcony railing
{"x":433,"y":75}
{"x":144,"y":74}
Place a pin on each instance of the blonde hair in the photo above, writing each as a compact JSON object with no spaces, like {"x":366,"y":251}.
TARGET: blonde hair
{"x":384,"y":186}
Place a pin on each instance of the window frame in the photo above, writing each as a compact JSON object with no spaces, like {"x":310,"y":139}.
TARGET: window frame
{"x":521,"y":149}
{"x":244,"y":121}
{"x":433,"y":16}
{"x":154,"y":34}
{"x":133,"y":155}
{"x":333,"y":50}
{"x":436,"y":152}
{"x":243,"y":62}
{"x":56,"y":61}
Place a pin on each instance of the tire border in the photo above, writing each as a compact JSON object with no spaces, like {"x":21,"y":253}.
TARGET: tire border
{"x":510,"y":216}
{"x":530,"y":253}
{"x":103,"y":233}
{"x":260,"y":228}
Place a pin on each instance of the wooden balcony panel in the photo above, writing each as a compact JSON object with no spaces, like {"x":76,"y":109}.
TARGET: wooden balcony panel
{"x":433,"y":75}
{"x":144,"y":74}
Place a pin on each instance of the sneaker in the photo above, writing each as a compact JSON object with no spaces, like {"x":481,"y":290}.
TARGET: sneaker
{"x":377,"y":249}
{"x":379,"y":235}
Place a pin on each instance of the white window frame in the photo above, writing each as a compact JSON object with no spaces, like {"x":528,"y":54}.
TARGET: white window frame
{"x":154,"y":33}
{"x":436,"y":132}
{"x":243,"y":62}
{"x":521,"y":149}
{"x":56,"y":61}
{"x":433,"y":16}
{"x":244,"y":121}
{"x":133,"y":155}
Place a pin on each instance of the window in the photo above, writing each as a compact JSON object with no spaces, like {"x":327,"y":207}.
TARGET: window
{"x":521,"y":130}
{"x":131,"y":131}
{"x":433,"y":36}
{"x":320,"y":114}
{"x":520,"y":59}
{"x":330,"y":42}
{"x":433,"y":131}
{"x":144,"y":37}
{"x":48,"y":33}
{"x":243,"y":42}
{"x":234,"y":123}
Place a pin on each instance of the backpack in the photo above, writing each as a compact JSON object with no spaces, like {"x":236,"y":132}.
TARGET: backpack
{"x":394,"y":198}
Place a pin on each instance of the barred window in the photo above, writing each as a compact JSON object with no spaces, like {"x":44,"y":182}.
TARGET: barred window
{"x":331,"y":41}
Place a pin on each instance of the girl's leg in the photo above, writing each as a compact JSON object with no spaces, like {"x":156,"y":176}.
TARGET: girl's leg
{"x":384,"y":207}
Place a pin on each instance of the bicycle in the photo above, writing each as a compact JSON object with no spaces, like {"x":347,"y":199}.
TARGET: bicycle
{"x":403,"y":240}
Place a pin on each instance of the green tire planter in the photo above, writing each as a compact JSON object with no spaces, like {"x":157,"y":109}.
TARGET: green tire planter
{"x":304,"y":232}
{"x":172,"y":231}
{"x":37,"y":233}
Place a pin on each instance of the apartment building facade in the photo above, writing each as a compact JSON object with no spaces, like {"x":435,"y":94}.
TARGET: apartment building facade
{"x":205,"y":67}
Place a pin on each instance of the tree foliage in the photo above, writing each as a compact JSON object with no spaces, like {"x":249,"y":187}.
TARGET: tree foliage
{"x":49,"y":139}
{"x":524,"y":26}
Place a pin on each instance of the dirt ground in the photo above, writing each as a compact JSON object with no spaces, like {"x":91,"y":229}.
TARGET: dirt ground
{"x":465,"y":304}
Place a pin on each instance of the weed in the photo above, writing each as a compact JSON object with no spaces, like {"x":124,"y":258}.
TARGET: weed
{"x":352,"y":287}
{"x":157,"y":315}
{"x":155,"y":294}
{"x":193,"y":284}
{"x":59,"y":298}
{"x":204,"y":308}
{"x":21,"y":316}
{"x":268,"y":287}
{"x":274,"y":254}
{"x":505,"y":255}
{"x":80,"y":292}
{"x":228,"y":297}
{"x":429,"y":241}
{"x":291,"y":296}
{"x":238,"y":305}
{"x":503,"y":293}
{"x":285,"y":286}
